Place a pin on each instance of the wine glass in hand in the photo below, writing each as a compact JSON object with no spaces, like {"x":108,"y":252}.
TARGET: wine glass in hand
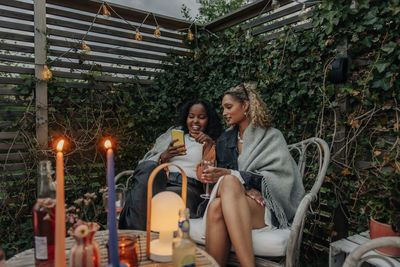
{"x":204,"y":164}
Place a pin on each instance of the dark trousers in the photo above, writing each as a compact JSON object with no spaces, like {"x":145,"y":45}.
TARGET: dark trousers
{"x":134,"y":213}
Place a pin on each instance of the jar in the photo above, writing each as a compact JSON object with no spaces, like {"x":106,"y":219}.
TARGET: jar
{"x":128,"y":250}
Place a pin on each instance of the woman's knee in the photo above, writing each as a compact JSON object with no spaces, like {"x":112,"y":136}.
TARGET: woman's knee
{"x":214,"y":211}
{"x":231,"y":185}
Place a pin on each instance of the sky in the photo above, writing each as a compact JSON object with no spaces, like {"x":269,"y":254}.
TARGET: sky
{"x":170,"y":8}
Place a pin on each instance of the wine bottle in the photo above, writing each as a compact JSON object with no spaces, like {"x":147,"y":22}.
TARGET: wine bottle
{"x":44,"y":217}
{"x":183,"y":247}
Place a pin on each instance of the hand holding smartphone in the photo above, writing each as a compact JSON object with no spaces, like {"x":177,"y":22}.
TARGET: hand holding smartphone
{"x":178,"y":135}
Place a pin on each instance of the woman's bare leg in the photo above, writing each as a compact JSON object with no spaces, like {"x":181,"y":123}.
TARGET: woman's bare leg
{"x":217,"y":239}
{"x":241,"y":215}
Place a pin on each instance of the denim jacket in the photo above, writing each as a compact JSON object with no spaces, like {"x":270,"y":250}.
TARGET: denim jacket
{"x":227,"y":157}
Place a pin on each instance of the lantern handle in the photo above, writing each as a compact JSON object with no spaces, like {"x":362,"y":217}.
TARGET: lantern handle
{"x":150,"y":195}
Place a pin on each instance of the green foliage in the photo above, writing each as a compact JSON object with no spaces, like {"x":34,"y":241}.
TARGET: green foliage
{"x":213,"y":9}
{"x":291,"y":72}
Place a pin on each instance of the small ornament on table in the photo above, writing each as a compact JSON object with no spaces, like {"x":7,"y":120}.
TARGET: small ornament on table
{"x":86,"y":251}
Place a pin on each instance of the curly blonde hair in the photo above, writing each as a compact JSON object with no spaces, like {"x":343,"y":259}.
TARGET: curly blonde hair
{"x":258,"y":111}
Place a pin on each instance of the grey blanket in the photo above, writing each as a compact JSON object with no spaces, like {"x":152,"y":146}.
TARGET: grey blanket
{"x":265,"y":152}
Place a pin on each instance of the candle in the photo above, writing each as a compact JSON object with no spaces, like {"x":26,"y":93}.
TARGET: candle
{"x":111,"y":217}
{"x":60,"y":208}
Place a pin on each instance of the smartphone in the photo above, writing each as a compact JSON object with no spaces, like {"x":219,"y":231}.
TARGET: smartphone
{"x":178,"y":134}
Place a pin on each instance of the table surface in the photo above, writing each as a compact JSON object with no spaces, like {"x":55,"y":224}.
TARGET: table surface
{"x":338,"y":251}
{"x":26,"y":258}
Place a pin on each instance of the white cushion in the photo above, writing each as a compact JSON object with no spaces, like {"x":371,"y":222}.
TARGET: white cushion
{"x":267,"y":242}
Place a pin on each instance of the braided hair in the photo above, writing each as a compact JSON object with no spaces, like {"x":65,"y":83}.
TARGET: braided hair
{"x":258,"y":111}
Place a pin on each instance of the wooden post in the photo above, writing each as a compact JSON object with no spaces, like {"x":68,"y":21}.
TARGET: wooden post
{"x":339,"y":216}
{"x":41,"y":85}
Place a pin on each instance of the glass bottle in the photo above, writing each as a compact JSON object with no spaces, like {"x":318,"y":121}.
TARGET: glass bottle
{"x":183,"y":247}
{"x":44,"y":216}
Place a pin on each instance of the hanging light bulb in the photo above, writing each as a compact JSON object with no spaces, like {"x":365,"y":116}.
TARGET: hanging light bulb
{"x":47,"y":73}
{"x":190,"y":35}
{"x":354,"y":5}
{"x":106,"y":13}
{"x":275,"y":4}
{"x":138,"y":37}
{"x":249,"y":36}
{"x":157,"y":32}
{"x":303,"y":13}
{"x":85,"y":48}
{"x":196,"y":54}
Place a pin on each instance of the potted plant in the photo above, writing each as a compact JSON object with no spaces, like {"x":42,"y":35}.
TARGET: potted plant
{"x":383,"y":206}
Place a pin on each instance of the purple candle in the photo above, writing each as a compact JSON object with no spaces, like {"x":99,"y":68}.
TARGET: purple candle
{"x":111,"y":218}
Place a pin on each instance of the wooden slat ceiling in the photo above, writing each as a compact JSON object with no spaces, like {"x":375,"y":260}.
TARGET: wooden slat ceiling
{"x":242,"y":14}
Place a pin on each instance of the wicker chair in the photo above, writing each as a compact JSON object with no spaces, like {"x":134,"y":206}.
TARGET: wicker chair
{"x":296,"y":232}
{"x":284,"y":243}
{"x":357,"y":257}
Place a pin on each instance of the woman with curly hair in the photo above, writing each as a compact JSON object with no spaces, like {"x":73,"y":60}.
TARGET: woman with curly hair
{"x":258,"y":182}
{"x":202,"y":127}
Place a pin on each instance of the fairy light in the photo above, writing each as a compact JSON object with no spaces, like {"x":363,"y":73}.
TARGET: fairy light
{"x":303,"y":13}
{"x":85,"y":48}
{"x":138,"y":37}
{"x":106,"y":13}
{"x":47,"y":73}
{"x":190,"y":35}
{"x":157,"y":32}
{"x":354,"y":5}
{"x":275,"y":4}
{"x":249,"y":36}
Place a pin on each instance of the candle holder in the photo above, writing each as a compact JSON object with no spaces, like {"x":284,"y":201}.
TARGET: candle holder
{"x":128,"y":250}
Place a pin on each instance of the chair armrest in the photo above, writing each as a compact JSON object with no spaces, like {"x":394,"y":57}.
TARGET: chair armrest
{"x":354,"y":258}
{"x":297,"y":227}
{"x":119,"y":175}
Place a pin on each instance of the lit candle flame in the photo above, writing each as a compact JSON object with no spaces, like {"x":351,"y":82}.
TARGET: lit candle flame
{"x":107,"y":144}
{"x":60,"y":145}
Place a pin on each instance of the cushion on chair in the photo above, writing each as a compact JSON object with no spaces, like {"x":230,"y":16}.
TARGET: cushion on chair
{"x":267,"y":242}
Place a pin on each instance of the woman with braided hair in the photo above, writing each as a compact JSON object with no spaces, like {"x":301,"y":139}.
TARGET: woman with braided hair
{"x":258,"y":184}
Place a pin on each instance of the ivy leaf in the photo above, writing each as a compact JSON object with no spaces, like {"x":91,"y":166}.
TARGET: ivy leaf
{"x":389,"y":47}
{"x":382,"y":66}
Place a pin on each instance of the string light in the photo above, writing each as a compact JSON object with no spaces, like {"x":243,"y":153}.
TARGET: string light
{"x":106,"y":13}
{"x":85,"y":48}
{"x":47,"y":73}
{"x":196,"y":54}
{"x":249,"y":36}
{"x":275,"y":4}
{"x":303,"y":13}
{"x":190,"y":35}
{"x":354,"y":5}
{"x":157,"y":32}
{"x":138,"y":37}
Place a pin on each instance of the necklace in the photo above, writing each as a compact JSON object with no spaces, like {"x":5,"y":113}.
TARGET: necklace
{"x":240,"y":139}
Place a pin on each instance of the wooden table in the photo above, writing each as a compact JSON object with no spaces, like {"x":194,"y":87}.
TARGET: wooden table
{"x":26,"y":257}
{"x":339,"y":250}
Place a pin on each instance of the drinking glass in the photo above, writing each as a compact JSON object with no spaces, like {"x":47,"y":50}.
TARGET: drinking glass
{"x":204,"y":164}
{"x":119,"y":200}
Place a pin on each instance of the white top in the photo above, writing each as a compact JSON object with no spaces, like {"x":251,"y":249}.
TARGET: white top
{"x":189,"y":161}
